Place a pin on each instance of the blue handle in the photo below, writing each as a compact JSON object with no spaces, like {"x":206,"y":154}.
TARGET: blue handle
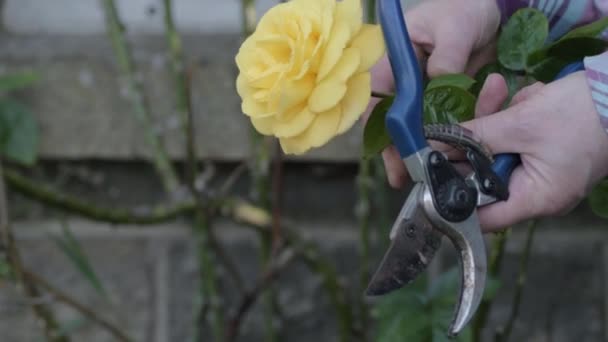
{"x":404,"y":118}
{"x":504,"y":164}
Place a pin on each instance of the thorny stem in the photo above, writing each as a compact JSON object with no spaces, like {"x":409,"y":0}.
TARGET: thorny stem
{"x":182,"y":86}
{"x":259,"y":219}
{"x":381,"y":201}
{"x":271,"y":274}
{"x":253,"y":217}
{"x":209,"y":288}
{"x":499,"y":244}
{"x":260,"y":180}
{"x":7,"y":241}
{"x":88,"y":313}
{"x":504,"y":334}
{"x":364,"y":184}
{"x":56,"y":199}
{"x":206,"y":242}
{"x":363,"y":210}
{"x":116,"y":31}
{"x":371,"y":11}
{"x":277,"y":192}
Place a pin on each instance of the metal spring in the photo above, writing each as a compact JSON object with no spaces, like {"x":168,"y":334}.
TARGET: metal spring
{"x":456,"y":136}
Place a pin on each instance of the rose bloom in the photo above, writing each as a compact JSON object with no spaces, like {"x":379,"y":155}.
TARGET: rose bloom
{"x":304,"y":73}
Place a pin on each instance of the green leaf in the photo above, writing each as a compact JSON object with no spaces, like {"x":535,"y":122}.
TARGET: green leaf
{"x":5,"y":269}
{"x":17,"y":80}
{"x":462,"y":81}
{"x":525,"y":32}
{"x":375,"y":136}
{"x":420,"y":313}
{"x":545,"y":69}
{"x":448,"y":104}
{"x":494,"y":68}
{"x":71,"y":248}
{"x":402,"y":314}
{"x":71,"y":326}
{"x":492,"y":287}
{"x":545,"y":64}
{"x":577,"y":48}
{"x":589,"y":30}
{"x":598,"y":199}
{"x":18,"y":133}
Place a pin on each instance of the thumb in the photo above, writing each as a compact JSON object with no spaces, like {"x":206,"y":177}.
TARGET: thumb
{"x":450,"y":54}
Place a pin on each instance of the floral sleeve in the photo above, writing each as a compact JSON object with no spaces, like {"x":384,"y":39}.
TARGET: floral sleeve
{"x":564,"y":15}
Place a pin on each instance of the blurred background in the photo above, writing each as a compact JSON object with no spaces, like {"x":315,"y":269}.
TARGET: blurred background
{"x":269,"y":249}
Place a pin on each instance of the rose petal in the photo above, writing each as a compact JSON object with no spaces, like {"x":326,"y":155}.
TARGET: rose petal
{"x":370,"y":43}
{"x":246,"y":53}
{"x":298,"y":124}
{"x":263,"y":125}
{"x":351,"y":12}
{"x":339,"y":37}
{"x":241,"y":86}
{"x":279,"y":47}
{"x":294,"y":92}
{"x":346,"y":66}
{"x":326,"y":95}
{"x":355,"y":100}
{"x":255,"y":109}
{"x":322,"y":129}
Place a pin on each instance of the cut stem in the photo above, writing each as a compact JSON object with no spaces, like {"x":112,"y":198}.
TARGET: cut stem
{"x":381,"y":95}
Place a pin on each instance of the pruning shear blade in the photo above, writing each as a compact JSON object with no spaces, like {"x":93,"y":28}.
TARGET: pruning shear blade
{"x":413,"y":246}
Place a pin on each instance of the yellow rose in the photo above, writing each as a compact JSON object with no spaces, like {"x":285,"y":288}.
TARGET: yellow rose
{"x":304,"y":72}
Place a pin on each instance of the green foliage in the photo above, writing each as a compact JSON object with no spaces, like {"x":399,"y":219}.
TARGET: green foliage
{"x":422,"y":312}
{"x":448,"y":104}
{"x":375,"y":136}
{"x":598,"y":199}
{"x":5,"y":269}
{"x":446,"y":100}
{"x":522,"y":45}
{"x":17,"y":80}
{"x":546,"y":63}
{"x":525,"y":32}
{"x":71,"y":248}
{"x":419,"y":313}
{"x":18,"y":133}
{"x":510,"y":77}
{"x":461,"y":81}
{"x":590,"y":30}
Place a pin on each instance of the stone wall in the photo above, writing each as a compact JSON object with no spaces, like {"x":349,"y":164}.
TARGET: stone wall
{"x":92,"y":147}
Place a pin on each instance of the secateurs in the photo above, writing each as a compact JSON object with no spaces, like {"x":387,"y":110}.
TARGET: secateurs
{"x":442,"y":202}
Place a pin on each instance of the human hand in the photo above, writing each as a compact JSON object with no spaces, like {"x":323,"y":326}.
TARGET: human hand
{"x":457,"y":36}
{"x":563,"y":147}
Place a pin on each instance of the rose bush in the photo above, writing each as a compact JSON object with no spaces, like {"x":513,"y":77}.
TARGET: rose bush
{"x":304,"y":73}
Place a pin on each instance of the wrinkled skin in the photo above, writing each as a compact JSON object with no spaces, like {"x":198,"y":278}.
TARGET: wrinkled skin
{"x":554,"y":127}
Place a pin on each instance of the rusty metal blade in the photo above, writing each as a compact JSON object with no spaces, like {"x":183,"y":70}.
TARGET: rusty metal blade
{"x":413,"y":246}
